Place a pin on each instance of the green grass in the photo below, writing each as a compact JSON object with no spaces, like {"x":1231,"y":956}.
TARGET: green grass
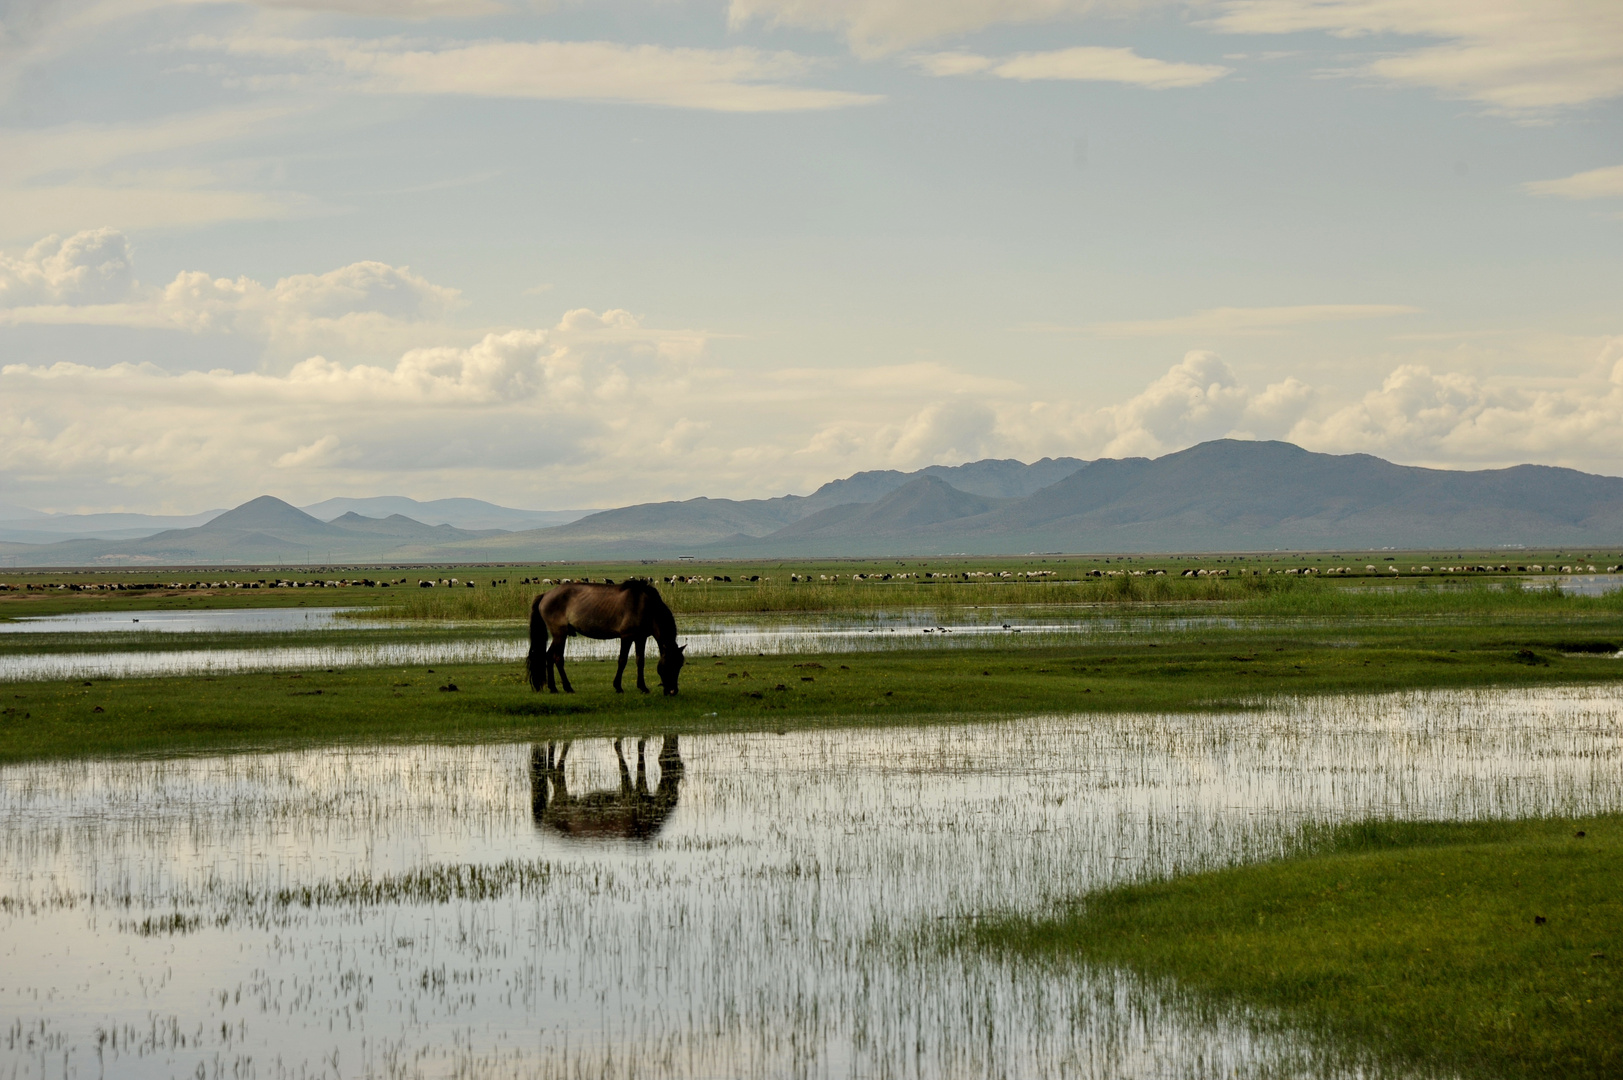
{"x":1242,"y":597}
{"x":1409,"y":944}
{"x":1256,"y":584}
{"x":1208,"y":670}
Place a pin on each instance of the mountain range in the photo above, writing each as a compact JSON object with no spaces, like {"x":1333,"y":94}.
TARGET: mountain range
{"x":1225,"y":495}
{"x":22,"y":525}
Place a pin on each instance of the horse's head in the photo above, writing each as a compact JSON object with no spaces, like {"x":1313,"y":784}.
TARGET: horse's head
{"x":670,"y":667}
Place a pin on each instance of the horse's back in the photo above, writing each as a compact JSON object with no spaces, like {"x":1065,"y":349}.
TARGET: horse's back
{"x":596,"y":610}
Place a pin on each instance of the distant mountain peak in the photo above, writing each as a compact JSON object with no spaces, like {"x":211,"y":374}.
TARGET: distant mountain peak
{"x":265,"y":512}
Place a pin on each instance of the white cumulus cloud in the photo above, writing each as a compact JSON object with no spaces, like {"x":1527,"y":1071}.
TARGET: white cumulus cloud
{"x":90,"y":267}
{"x":520,"y":403}
{"x":88,"y":279}
{"x":1420,"y":415}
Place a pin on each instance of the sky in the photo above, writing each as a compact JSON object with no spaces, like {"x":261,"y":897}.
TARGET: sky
{"x":567,"y":254}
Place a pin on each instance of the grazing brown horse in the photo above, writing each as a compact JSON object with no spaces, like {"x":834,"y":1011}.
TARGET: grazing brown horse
{"x":632,"y":812}
{"x":631,"y":611}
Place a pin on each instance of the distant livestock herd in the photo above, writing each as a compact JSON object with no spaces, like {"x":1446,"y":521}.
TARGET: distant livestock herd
{"x":931,"y":576}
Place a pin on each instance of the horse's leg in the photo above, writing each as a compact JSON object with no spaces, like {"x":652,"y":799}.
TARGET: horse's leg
{"x":557,"y":644}
{"x":670,"y":758}
{"x":642,"y":771}
{"x":625,"y":651}
{"x":557,"y":656}
{"x":625,"y":774}
{"x":642,"y":651}
{"x":540,"y":775}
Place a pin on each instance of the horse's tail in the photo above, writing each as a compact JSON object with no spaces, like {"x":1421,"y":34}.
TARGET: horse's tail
{"x":536,"y":662}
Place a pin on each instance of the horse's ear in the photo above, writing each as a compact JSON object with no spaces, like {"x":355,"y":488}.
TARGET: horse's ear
{"x":681,"y":648}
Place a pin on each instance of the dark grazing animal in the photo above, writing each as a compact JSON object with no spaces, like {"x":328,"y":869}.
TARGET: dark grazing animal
{"x":632,"y":611}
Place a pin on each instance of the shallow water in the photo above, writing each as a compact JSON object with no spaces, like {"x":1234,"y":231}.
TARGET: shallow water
{"x":412,"y":911}
{"x":200,"y":620}
{"x":1582,"y":584}
{"x":475,"y":643}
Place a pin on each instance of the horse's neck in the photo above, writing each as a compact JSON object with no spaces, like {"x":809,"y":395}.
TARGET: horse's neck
{"x":664,"y":624}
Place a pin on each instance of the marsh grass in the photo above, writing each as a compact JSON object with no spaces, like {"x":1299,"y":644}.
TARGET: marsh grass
{"x":512,"y":602}
{"x":1484,"y":948}
{"x":779,"y":908}
{"x":1245,"y":595}
{"x":1210,"y":668}
{"x":101,"y":642}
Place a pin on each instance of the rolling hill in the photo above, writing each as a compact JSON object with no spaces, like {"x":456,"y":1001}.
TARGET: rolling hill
{"x":1226,"y":495}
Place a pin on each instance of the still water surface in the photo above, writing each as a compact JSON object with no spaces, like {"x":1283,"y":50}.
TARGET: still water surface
{"x":197,"y":621}
{"x":108,"y":652}
{"x":467,"y":911}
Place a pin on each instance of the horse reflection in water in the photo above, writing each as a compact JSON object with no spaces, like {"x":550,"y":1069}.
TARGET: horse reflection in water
{"x":630,"y":813}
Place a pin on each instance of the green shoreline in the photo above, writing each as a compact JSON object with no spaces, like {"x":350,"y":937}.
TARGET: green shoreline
{"x":1168,"y":672}
{"x":1480,"y":949}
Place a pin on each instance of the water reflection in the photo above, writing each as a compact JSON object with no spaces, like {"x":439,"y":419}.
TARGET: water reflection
{"x":627,"y":812}
{"x":1578,"y":584}
{"x":395,"y":911}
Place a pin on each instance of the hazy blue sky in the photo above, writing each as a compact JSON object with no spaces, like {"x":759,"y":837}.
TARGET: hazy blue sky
{"x":582,"y":254}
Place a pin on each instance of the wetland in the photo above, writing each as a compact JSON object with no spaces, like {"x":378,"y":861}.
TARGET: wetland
{"x":411,"y":910}
{"x":334,"y":838}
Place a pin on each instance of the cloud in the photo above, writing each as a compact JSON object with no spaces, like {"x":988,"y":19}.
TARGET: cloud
{"x":1234,"y":321}
{"x":88,"y":279}
{"x":1423,"y":416}
{"x":599,"y":408}
{"x":29,"y":153}
{"x":319,"y":452}
{"x":1197,"y":399}
{"x":91,"y":267}
{"x":393,"y":9}
{"x":876,"y":27}
{"x":1516,"y":58}
{"x":943,"y":432}
{"x":515,"y":403}
{"x":65,"y":178}
{"x":1604,"y":183}
{"x":136,"y":206}
{"x":1082,"y":63}
{"x":723,"y":80}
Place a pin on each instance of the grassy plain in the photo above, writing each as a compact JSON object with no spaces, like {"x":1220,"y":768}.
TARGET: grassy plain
{"x":1480,"y":949}
{"x":830,"y":586}
{"x":1210,"y":668}
{"x":1408,"y":944}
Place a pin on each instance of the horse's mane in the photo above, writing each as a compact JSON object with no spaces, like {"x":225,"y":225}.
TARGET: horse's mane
{"x":655,"y":604}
